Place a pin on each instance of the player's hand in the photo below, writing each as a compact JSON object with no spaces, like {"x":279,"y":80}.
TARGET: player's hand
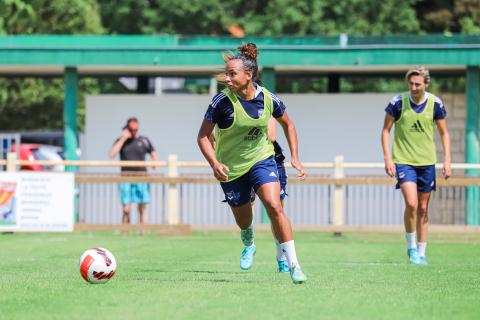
{"x":390,"y":168}
{"x":301,"y":170}
{"x":447,"y":169}
{"x":126,"y":134}
{"x":220,"y":171}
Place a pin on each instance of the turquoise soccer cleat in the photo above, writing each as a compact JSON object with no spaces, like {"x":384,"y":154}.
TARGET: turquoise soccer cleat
{"x":246,"y":259}
{"x":413,"y":256}
{"x":283,"y":266}
{"x":423,"y":261}
{"x":297,"y":275}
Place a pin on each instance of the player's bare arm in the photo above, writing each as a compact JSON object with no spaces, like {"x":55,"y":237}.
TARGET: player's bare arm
{"x":387,"y":127}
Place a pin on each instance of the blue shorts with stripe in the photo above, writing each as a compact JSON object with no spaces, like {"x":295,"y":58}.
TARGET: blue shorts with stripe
{"x":423,"y":176}
{"x":239,"y":191}
{"x":283,"y":178}
{"x":134,"y":193}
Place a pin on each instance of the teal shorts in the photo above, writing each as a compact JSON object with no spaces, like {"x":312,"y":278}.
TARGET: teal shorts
{"x":134,"y":193}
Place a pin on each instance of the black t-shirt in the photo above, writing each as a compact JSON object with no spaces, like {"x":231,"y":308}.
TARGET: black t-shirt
{"x":136,"y":149}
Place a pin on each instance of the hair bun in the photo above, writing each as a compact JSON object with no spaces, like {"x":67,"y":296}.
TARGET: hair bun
{"x":249,"y":50}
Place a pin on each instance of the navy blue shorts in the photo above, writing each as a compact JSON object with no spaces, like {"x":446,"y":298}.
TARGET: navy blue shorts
{"x":239,"y":191}
{"x":283,"y":178}
{"x":423,"y":176}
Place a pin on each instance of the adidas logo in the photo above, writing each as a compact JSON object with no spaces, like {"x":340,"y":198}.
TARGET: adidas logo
{"x":416,"y":127}
{"x":272,"y":174}
{"x":253,"y":134}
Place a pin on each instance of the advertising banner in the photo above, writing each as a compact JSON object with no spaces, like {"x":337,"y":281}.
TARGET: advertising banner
{"x":36,"y":201}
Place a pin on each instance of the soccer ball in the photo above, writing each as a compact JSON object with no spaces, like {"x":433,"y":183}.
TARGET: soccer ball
{"x":97,"y":265}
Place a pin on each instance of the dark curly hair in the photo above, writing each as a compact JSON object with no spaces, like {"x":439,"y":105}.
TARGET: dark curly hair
{"x":248,"y":54}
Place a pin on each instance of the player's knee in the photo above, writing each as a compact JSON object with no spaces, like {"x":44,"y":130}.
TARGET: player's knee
{"x":274,"y":207}
{"x":422,"y":212}
{"x":412,"y":206}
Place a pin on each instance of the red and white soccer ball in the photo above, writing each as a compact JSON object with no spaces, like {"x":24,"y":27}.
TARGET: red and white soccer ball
{"x":97,"y":265}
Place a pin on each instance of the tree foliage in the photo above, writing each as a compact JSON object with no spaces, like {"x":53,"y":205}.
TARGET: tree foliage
{"x":331,"y":17}
{"x":36,"y":103}
{"x":457,"y":16}
{"x":291,"y":17}
{"x":271,"y":17}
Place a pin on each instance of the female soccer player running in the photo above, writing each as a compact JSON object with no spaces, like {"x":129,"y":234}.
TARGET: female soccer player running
{"x":415,"y":114}
{"x":282,"y":178}
{"x":243,"y":157}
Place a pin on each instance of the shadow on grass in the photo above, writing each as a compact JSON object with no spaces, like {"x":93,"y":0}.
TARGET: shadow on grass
{"x":214,"y":272}
{"x":196,"y":280}
{"x":198,"y":276}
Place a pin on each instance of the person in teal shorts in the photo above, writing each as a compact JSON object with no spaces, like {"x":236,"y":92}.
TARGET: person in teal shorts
{"x":414,"y":115}
{"x":133,"y":147}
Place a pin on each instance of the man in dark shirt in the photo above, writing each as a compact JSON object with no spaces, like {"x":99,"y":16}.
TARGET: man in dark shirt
{"x":133,"y":147}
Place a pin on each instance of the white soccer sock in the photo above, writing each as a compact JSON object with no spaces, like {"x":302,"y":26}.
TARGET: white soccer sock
{"x":422,"y":247}
{"x":280,"y":255}
{"x":288,"y":248}
{"x":411,"y":240}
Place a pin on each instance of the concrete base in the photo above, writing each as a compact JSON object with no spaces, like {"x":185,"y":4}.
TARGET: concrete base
{"x":159,"y":229}
{"x":438,"y":228}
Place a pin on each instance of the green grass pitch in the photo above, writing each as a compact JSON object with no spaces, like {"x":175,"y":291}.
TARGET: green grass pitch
{"x":356,"y":276}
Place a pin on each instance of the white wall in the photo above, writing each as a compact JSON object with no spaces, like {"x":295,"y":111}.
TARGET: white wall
{"x":171,"y":122}
{"x":327,"y":124}
{"x":337,"y":124}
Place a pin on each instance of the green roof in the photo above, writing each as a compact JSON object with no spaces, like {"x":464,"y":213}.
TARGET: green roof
{"x":191,"y":52}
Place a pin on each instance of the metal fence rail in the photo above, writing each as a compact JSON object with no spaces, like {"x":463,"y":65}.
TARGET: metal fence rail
{"x":373,"y":204}
{"x":196,"y":198}
{"x":98,"y":203}
{"x":200,"y":204}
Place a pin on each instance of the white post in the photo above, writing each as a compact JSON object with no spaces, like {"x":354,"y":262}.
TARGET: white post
{"x":212,"y":89}
{"x":338,"y":194}
{"x":343,"y":40}
{"x":11,"y":162}
{"x":172,"y":190}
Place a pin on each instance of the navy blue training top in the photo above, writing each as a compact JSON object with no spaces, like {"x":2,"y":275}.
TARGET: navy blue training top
{"x":394,"y":108}
{"x":220,"y":110}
